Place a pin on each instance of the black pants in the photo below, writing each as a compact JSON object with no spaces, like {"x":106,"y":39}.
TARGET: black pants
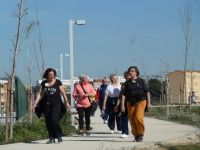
{"x":124,"y":122}
{"x":52,"y":118}
{"x":81,"y":112}
{"x":113,"y":116}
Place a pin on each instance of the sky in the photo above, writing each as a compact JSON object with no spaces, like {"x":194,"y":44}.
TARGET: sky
{"x":117,"y":34}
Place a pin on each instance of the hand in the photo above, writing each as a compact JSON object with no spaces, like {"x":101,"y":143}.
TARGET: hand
{"x":103,"y":107}
{"x":67,"y":105}
{"x":33,"y":108}
{"x":116,"y":108}
{"x":147,"y":108}
{"x":123,"y":108}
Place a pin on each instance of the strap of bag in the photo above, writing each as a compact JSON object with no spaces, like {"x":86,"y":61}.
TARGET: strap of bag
{"x":85,"y":92}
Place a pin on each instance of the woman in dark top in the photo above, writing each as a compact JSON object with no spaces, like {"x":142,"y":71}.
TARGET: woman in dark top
{"x":51,"y":90}
{"x":136,"y":95}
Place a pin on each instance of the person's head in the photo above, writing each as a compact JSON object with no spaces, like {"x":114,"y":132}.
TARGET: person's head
{"x":114,"y":78}
{"x":126,"y":75}
{"x":105,"y":80}
{"x":83,"y":78}
{"x":133,"y":71}
{"x":49,"y":74}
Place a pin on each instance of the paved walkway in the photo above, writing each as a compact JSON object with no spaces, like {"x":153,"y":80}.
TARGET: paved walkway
{"x":101,"y":139}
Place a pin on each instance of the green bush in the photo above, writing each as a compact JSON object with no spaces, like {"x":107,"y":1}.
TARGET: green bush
{"x":26,"y":131}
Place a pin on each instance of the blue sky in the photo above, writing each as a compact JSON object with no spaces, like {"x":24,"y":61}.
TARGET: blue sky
{"x":117,"y":34}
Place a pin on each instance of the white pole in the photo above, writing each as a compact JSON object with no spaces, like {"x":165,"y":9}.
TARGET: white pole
{"x":71,"y":53}
{"x":61,"y":67}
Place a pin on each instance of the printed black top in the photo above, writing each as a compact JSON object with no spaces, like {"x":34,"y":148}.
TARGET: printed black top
{"x":135,"y":90}
{"x":51,"y":93}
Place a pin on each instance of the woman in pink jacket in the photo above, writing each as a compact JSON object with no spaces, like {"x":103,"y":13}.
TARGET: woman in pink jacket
{"x":82,"y":93}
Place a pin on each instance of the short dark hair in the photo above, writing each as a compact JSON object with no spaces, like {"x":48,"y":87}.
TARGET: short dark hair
{"x":47,"y":72}
{"x":126,"y":73}
{"x":135,"y":68}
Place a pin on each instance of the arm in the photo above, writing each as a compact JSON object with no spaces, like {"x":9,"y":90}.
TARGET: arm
{"x":77,"y":94}
{"x":117,"y":105}
{"x":62,"y":90}
{"x":105,"y":101}
{"x":38,"y":98}
{"x":123,"y":104}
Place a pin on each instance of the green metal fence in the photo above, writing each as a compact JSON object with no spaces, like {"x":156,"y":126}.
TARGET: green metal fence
{"x":21,"y":98}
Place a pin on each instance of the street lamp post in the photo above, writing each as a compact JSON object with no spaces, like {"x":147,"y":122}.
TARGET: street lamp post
{"x":61,"y":65}
{"x":71,"y":53}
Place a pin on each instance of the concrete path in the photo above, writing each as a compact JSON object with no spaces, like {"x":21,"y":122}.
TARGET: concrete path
{"x":101,"y":139}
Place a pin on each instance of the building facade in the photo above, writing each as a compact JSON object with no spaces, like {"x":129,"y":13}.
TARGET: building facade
{"x":176,"y":85}
{"x":3,"y":95}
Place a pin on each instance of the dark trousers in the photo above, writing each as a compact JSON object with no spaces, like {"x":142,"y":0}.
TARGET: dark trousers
{"x":124,"y":123}
{"x":113,"y":116}
{"x":81,"y":112}
{"x":52,"y":118}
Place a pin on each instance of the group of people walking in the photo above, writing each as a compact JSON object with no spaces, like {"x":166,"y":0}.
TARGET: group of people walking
{"x":118,"y":103}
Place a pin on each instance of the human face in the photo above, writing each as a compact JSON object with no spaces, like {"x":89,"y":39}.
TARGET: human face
{"x":114,"y":79}
{"x":133,"y":73}
{"x":127,"y":76}
{"x":84,"y":80}
{"x":51,"y":76}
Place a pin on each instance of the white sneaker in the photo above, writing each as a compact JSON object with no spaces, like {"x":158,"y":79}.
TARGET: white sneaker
{"x":124,"y":136}
{"x":105,"y":121}
{"x":120,"y":132}
{"x":112,"y":131}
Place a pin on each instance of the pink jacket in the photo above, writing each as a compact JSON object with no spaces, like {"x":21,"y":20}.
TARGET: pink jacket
{"x":83,"y":101}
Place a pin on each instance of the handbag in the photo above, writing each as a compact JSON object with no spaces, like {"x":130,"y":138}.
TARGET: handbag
{"x":92,"y":101}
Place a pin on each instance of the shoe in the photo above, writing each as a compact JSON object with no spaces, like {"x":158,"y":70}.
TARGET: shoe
{"x":105,"y":121}
{"x":112,"y":131}
{"x":124,"y":136}
{"x":60,"y":140}
{"x":50,"y":141}
{"x":118,"y":131}
{"x":87,"y":133}
{"x":139,"y":138}
{"x":80,"y":132}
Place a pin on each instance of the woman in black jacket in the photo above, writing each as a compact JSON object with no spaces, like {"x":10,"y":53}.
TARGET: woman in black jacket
{"x":136,"y":95}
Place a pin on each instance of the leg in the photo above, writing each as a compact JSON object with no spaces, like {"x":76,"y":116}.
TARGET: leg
{"x":47,"y":116}
{"x":55,"y":117}
{"x":139,"y":118}
{"x":131,"y":116}
{"x":80,"y":115}
{"x":111,"y":121}
{"x":124,"y":122}
{"x":87,"y":117}
{"x":118,"y":121}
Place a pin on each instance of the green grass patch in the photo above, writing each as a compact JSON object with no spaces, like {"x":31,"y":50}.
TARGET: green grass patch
{"x":187,"y":116}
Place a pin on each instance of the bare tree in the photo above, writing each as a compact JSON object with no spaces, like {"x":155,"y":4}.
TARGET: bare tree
{"x":28,"y":30}
{"x":20,"y":13}
{"x":186,"y":26}
{"x":40,"y":47}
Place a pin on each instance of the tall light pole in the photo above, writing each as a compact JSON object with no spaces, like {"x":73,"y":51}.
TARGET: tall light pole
{"x":71,"y":53}
{"x":61,"y":65}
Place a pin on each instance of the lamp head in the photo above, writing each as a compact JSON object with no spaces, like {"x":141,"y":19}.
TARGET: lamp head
{"x":80,"y":22}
